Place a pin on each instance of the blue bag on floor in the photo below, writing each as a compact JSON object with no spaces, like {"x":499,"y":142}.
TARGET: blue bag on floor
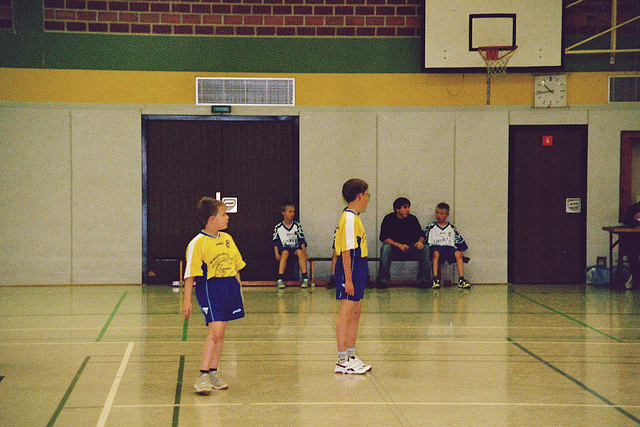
{"x":599,"y":275}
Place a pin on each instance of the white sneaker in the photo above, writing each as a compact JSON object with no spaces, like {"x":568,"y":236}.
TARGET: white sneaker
{"x":203,"y":384}
{"x":629,"y":283}
{"x":464,"y":284}
{"x":348,"y":366}
{"x":359,"y":362}
{"x":216,"y":381}
{"x":281,"y":284}
{"x":305,"y":283}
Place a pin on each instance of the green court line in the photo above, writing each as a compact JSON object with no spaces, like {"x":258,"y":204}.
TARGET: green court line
{"x":176,"y":402}
{"x":576,"y":381}
{"x":185,"y":327}
{"x":54,"y":417}
{"x":113,"y":313}
{"x":567,"y":316}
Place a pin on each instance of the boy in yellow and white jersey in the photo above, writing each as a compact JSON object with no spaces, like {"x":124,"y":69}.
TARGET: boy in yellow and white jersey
{"x":213,"y":264}
{"x":351,"y":273}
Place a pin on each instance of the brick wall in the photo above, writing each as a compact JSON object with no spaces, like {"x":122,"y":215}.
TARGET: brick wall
{"x":281,"y":17}
{"x":237,"y":17}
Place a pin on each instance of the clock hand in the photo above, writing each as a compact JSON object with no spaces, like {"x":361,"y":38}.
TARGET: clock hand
{"x":548,"y":88}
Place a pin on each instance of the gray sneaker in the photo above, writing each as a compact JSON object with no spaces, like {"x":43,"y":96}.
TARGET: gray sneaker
{"x":203,"y":384}
{"x":216,"y":381}
{"x":280,"y":284}
{"x":305,"y":283}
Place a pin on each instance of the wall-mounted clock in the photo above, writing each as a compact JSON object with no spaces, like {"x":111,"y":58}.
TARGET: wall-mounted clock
{"x":550,"y":91}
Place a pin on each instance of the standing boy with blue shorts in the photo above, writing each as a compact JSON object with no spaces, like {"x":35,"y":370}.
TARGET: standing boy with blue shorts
{"x":351,"y":274}
{"x":446,"y":245}
{"x":213,"y":262}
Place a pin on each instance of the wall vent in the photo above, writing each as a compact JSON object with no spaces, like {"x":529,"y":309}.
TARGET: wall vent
{"x":624,"y":89}
{"x":239,"y":91}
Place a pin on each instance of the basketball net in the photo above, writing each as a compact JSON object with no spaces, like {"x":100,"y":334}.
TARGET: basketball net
{"x":496,"y":58}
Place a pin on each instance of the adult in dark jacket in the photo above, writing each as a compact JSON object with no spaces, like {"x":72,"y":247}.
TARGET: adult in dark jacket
{"x":402,"y":239}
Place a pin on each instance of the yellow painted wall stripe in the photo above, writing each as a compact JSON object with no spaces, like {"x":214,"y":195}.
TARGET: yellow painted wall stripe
{"x":421,"y":89}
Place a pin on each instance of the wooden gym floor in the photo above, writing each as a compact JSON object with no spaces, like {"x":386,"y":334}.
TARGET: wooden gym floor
{"x":493,"y":355}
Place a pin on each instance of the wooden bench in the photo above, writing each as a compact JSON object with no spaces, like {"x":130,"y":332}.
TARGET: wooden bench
{"x":313,"y":260}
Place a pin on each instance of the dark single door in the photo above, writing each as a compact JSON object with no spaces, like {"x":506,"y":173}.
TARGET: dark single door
{"x":547,"y":204}
{"x":252,"y":159}
{"x":630,"y":141}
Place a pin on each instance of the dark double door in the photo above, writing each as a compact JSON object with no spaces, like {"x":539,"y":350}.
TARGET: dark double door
{"x":252,"y":159}
{"x":547,"y":204}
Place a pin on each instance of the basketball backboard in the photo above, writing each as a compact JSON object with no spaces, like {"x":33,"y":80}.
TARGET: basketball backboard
{"x":454,"y":29}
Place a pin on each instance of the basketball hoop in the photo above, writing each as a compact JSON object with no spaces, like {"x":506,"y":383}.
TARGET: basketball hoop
{"x":496,"y":58}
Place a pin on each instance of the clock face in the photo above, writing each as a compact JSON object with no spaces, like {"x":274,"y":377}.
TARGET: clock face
{"x":551,"y":91}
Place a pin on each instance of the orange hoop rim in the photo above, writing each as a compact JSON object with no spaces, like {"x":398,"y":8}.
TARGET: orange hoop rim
{"x":492,"y":53}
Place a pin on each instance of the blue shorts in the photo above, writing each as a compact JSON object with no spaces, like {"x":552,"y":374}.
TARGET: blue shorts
{"x":447,"y":253}
{"x":359,"y":275}
{"x":291,"y":251}
{"x":220,"y":299}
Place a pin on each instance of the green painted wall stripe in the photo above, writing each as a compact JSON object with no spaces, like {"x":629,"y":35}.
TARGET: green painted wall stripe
{"x":113,"y":313}
{"x":224,"y":54}
{"x":238,"y":54}
{"x":56,"y":413}
{"x":567,"y":316}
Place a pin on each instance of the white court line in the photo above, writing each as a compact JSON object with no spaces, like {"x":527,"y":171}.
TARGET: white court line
{"x":363,"y":327}
{"x":550,"y":405}
{"x":341,"y":403}
{"x":114,"y":387}
{"x":325,"y":340}
{"x":171,"y":405}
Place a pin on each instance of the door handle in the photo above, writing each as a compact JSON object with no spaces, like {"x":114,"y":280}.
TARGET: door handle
{"x":573,"y":205}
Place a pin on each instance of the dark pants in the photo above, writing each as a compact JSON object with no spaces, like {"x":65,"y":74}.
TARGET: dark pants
{"x":631,"y":248}
{"x":390,"y":253}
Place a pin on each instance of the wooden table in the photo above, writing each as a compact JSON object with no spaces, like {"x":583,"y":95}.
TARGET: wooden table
{"x":620,"y":230}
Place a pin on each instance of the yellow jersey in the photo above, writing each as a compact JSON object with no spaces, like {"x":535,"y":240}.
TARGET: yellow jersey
{"x":350,"y":235}
{"x":213,"y":256}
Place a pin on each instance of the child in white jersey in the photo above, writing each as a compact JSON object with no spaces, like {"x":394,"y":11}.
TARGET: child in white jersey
{"x":288,"y":238}
{"x":446,"y":245}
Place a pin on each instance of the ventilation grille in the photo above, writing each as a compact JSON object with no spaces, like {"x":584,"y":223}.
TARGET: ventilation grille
{"x":624,"y":89}
{"x":237,"y":91}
